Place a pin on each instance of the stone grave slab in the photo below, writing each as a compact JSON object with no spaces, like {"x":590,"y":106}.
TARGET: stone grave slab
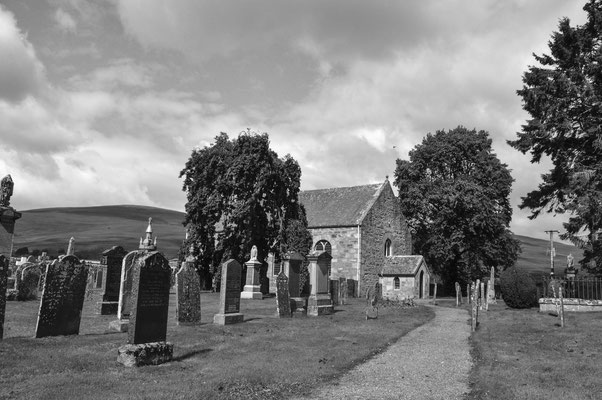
{"x":319,"y":301}
{"x":283,"y":300}
{"x":188,"y":294}
{"x":3,"y":285}
{"x":62,"y":298}
{"x":229,"y":304}
{"x":27,"y":287}
{"x":112,"y":262}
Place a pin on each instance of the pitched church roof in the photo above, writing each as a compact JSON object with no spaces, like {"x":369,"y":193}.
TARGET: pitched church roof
{"x":338,"y":207}
{"x":402,"y":265}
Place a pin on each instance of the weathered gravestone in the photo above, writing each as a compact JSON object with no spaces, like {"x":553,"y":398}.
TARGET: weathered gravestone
{"x":491,"y":288}
{"x":291,"y":265}
{"x":188,"y":293}
{"x":343,"y":290}
{"x":27,"y":284}
{"x":335,"y":292}
{"x":148,"y":319}
{"x":3,"y":284}
{"x":283,"y":300}
{"x":319,"y":301}
{"x":62,"y":298}
{"x":111,"y":263}
{"x":229,"y":301}
{"x":372,"y":299}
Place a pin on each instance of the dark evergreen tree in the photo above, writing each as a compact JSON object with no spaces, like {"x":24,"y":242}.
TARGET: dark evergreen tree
{"x":454,"y":192}
{"x":563,"y":95}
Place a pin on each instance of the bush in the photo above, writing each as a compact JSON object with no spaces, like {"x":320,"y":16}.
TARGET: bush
{"x":518,"y":289}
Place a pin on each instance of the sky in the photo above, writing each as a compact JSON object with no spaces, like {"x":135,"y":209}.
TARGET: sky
{"x":102,"y":102}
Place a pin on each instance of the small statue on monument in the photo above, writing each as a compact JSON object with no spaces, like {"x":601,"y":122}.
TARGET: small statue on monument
{"x":6,"y":190}
{"x":253,"y":253}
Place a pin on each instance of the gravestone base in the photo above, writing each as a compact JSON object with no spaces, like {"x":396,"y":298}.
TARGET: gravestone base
{"x":252,"y":292}
{"x":319,"y":304}
{"x":108,"y":307}
{"x":227,"y":319}
{"x":135,"y":355}
{"x":119,"y":325}
{"x":298,"y":305}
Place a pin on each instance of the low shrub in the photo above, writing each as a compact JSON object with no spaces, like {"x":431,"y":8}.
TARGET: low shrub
{"x":518,"y":289}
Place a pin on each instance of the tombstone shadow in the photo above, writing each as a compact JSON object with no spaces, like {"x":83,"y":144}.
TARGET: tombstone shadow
{"x":191,"y":354}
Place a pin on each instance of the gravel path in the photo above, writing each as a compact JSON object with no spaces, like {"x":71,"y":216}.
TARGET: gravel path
{"x":430,"y":362}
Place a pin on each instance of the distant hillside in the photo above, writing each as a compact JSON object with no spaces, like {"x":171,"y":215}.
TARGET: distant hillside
{"x":535,"y":257}
{"x":96,"y":229}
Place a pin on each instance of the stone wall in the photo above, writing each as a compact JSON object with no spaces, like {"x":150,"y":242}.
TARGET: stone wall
{"x":407,"y":286}
{"x":345,"y":247}
{"x":383,"y":221}
{"x":548,"y":304}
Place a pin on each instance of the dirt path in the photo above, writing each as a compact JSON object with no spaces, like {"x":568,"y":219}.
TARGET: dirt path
{"x":430,"y":362}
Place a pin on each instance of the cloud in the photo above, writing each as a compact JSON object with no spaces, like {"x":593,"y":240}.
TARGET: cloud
{"x":65,"y":21}
{"x":21,"y":73}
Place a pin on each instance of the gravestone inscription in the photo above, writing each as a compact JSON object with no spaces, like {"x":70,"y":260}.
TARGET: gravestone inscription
{"x":62,"y":297}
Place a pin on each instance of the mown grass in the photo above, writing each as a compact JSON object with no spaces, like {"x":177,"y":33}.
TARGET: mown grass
{"x":262,"y":358}
{"x":525,"y":354}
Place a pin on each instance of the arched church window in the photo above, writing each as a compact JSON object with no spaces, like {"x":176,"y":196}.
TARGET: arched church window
{"x":388,"y":247}
{"x":323,"y":245}
{"x":396,"y":282}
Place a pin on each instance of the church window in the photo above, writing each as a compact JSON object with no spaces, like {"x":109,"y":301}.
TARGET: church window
{"x":388,"y":247}
{"x":323,"y":245}
{"x":396,"y":283}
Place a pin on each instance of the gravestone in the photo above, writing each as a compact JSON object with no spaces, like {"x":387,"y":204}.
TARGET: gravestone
{"x":27,"y":287}
{"x":458,"y":295}
{"x":111,"y":264}
{"x":229,"y":301}
{"x":252,"y":288}
{"x":151,"y":281}
{"x":125,"y":291}
{"x":343,"y":290}
{"x":62,"y":298}
{"x":491,"y":288}
{"x":188,"y":293}
{"x":283,"y":300}
{"x":291,"y":265}
{"x":474,"y":314}
{"x":335,"y":292}
{"x":3,"y":285}
{"x":319,"y":301}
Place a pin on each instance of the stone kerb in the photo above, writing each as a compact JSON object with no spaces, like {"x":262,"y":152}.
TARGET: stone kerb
{"x":252,"y":288}
{"x":319,"y":301}
{"x":62,"y":298}
{"x":3,"y":284}
{"x":151,"y":281}
{"x":188,"y":294}
{"x":229,"y":303}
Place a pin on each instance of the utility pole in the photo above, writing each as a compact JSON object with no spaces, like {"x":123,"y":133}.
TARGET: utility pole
{"x":552,"y":252}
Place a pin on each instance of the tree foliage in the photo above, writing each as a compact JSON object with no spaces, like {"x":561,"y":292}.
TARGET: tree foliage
{"x":454,"y":192}
{"x":240,"y":194}
{"x":563,"y":95}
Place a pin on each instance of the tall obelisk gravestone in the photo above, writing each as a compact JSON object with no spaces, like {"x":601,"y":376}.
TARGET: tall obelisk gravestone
{"x":8,"y":216}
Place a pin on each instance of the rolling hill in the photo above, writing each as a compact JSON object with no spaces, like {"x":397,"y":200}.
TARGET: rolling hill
{"x":96,"y":229}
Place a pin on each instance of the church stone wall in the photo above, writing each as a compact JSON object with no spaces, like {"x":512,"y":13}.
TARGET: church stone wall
{"x":383,"y":221}
{"x":345,"y":246}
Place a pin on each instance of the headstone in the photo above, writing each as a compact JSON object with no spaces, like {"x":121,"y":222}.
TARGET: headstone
{"x":335,"y":292}
{"x":458,"y":295}
{"x":474,"y":314}
{"x":188,"y":293}
{"x":3,"y":285}
{"x":491,"y":288}
{"x":482,"y":297}
{"x":148,"y":320}
{"x":229,"y":302}
{"x":151,"y":281}
{"x":319,"y":301}
{"x":344,"y":292}
{"x":111,"y":264}
{"x":71,"y":247}
{"x":292,"y":263}
{"x":477,"y":295}
{"x":252,"y":288}
{"x":62,"y":298}
{"x":283,"y":300}
{"x":27,"y":288}
{"x":372,"y":298}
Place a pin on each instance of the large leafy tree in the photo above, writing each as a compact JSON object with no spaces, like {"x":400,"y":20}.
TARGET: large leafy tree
{"x":240,"y":194}
{"x":563,"y":95}
{"x":454,"y":193}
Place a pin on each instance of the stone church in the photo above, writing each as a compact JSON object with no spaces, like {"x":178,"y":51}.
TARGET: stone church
{"x":365,"y":232}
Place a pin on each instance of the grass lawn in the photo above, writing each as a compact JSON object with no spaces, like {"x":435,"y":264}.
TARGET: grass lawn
{"x":525,"y":354}
{"x":262,"y":358}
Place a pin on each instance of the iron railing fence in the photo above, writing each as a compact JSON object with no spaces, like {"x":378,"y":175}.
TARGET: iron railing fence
{"x":586,"y":288}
